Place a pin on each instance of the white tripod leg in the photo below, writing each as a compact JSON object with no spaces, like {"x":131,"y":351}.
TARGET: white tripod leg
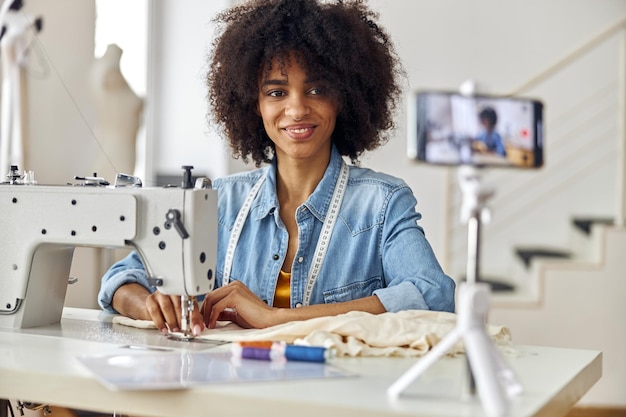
{"x":474,"y":306}
{"x":488,"y":367}
{"x":423,"y":364}
{"x":505,"y":373}
{"x":479,"y":350}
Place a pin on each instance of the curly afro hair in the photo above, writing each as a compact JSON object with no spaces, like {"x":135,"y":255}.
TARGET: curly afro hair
{"x":338,"y":41}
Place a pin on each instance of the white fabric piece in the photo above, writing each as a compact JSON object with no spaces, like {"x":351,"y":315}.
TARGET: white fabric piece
{"x":409,"y":333}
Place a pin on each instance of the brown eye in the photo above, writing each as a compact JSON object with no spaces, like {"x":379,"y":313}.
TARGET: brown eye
{"x":275,"y":93}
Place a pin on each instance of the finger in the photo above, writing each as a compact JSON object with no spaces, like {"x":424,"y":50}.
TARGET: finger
{"x":226,"y":309}
{"x":219,"y":293}
{"x":207,"y":308}
{"x":171,"y":308}
{"x":154,"y":310}
{"x":217,"y":308}
{"x":203,"y":308}
{"x":217,"y":303}
{"x":209,"y":300}
{"x":197,"y":322}
{"x":229,"y":314}
{"x":164,"y":311}
{"x":219,"y":311}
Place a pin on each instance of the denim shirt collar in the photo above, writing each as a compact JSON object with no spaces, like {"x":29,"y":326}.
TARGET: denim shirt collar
{"x":317,"y":203}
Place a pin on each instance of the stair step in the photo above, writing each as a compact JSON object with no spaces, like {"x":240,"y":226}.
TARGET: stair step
{"x":527,"y":254}
{"x":585,"y":223}
{"x":497,"y":285}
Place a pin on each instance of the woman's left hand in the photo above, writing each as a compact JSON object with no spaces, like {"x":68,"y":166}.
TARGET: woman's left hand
{"x":235,"y":302}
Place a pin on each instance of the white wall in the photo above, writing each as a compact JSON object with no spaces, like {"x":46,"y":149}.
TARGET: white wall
{"x":180,"y":135}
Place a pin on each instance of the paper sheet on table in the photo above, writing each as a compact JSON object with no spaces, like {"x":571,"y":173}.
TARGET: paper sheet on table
{"x":180,"y":370}
{"x":405,"y":333}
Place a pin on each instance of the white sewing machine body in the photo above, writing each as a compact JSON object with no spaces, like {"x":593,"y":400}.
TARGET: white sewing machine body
{"x":173,"y":229}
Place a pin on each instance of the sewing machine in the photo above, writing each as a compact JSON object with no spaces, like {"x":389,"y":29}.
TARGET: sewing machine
{"x":173,"y":229}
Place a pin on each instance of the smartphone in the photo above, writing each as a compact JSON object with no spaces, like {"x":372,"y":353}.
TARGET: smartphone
{"x":449,"y":128}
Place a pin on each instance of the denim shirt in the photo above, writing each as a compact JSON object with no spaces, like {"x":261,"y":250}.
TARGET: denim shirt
{"x":377,"y":246}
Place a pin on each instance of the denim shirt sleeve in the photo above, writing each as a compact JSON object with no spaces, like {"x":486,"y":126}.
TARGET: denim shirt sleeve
{"x":128,"y":270}
{"x":413,"y":277}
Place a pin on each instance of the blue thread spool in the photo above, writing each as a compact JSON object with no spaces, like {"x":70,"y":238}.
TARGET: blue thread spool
{"x":306,"y":353}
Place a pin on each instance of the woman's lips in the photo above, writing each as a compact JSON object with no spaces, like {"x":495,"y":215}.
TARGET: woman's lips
{"x":299,"y":132}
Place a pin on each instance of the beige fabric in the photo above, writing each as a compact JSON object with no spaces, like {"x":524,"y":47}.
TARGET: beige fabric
{"x":127,"y":321}
{"x":406,"y":333}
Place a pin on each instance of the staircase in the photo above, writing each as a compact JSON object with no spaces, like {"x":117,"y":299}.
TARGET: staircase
{"x":578,"y":303}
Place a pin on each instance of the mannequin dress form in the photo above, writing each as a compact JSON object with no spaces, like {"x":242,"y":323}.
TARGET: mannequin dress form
{"x":118,"y":116}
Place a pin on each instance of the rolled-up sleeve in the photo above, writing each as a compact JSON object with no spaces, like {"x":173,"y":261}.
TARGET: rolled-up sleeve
{"x":403,"y":296}
{"x":414,"y":278}
{"x":128,"y":270}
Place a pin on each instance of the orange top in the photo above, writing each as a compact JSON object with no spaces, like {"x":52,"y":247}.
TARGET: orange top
{"x":282,"y":296}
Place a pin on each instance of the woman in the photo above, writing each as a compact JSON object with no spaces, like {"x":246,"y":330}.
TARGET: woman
{"x":299,"y":84}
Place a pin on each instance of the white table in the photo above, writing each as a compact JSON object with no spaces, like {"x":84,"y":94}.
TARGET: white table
{"x":39,"y":365}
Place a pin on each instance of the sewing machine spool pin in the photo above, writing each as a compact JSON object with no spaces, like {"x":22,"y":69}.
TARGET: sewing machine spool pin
{"x":14,"y":175}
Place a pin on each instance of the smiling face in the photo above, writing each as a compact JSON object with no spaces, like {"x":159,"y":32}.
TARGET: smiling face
{"x":298,"y":112}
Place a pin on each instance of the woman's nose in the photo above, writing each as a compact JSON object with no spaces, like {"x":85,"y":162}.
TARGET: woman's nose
{"x":296,"y":107}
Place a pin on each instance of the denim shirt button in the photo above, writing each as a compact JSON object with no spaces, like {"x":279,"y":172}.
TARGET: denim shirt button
{"x":298,"y":305}
{"x":301,"y":259}
{"x":275,"y":257}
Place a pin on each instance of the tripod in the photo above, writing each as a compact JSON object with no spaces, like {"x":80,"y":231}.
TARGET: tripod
{"x":495,"y":381}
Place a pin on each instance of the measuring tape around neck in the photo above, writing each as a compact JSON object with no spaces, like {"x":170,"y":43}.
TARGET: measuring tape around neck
{"x":237,"y":227}
{"x":322,"y":241}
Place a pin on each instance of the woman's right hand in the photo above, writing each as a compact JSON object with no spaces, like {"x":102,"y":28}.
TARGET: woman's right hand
{"x":135,"y":301}
{"x":166,"y":313}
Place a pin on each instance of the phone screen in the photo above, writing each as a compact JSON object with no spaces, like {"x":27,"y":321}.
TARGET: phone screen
{"x":448,"y":128}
